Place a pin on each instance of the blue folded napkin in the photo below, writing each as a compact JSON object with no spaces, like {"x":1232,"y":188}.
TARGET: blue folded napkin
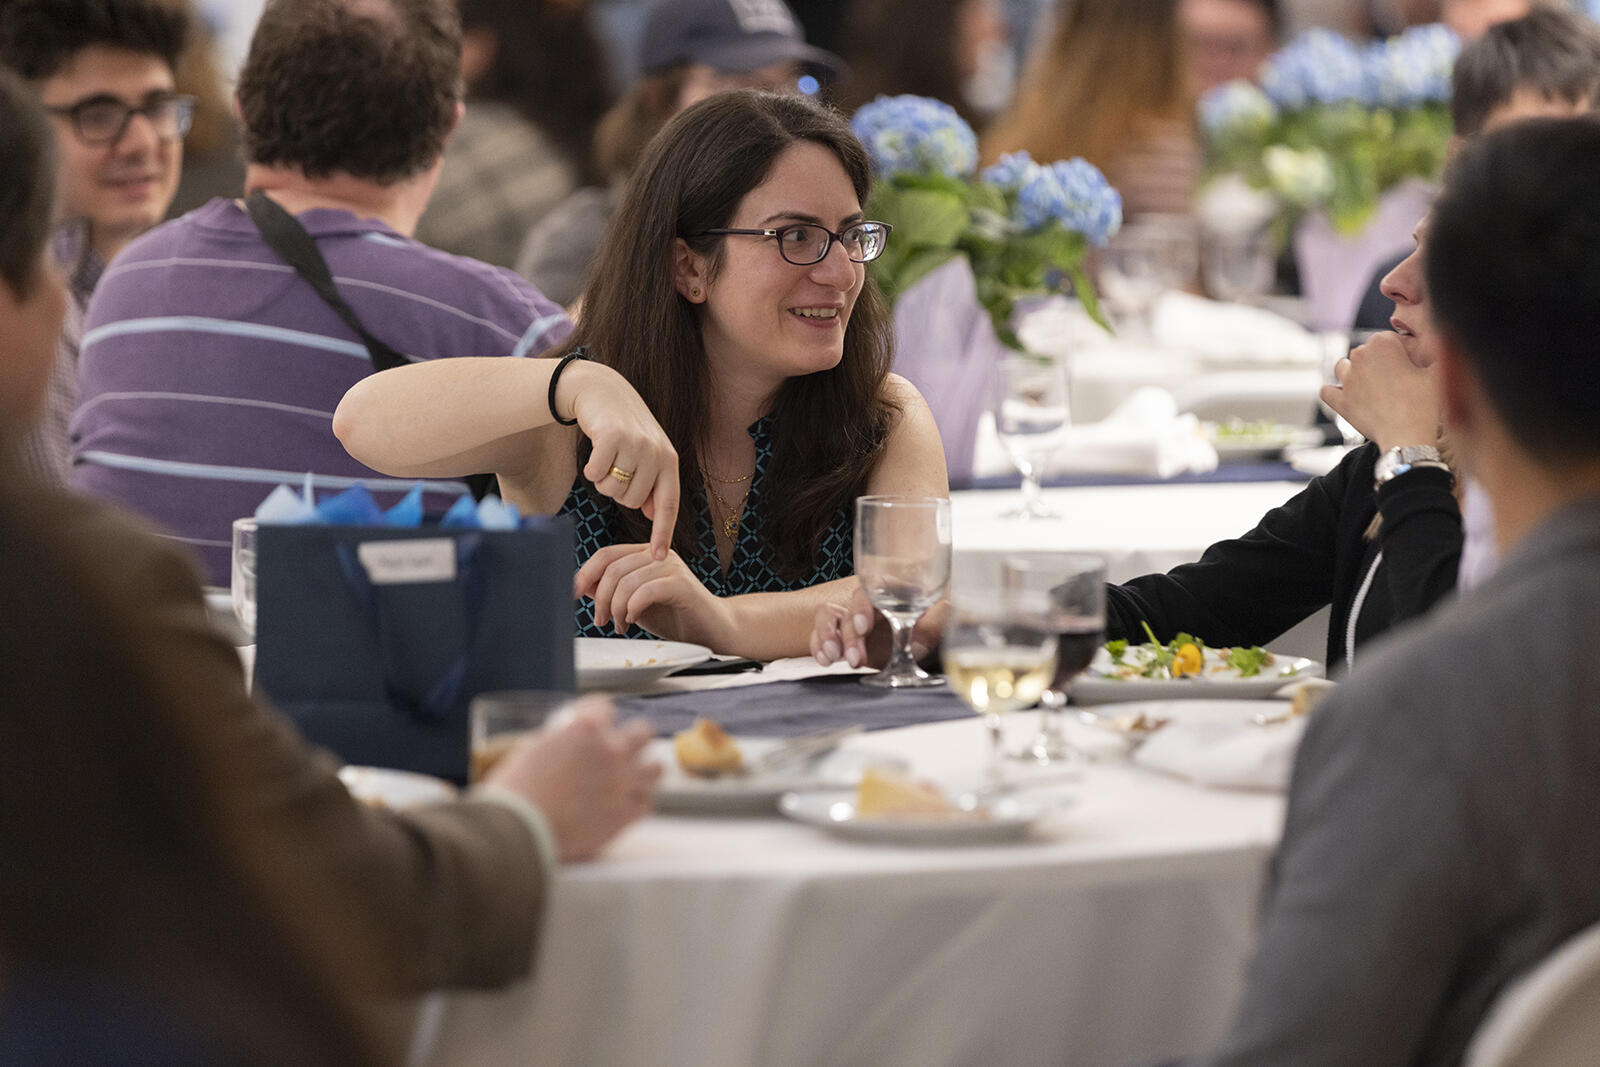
{"x":356,"y":507}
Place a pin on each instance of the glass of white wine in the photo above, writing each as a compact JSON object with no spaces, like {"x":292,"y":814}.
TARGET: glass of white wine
{"x":1000,"y":656}
{"x":902,"y":559}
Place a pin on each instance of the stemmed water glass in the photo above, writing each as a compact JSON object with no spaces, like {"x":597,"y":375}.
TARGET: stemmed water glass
{"x":999,"y":653}
{"x":1074,"y":588}
{"x":1030,"y":417}
{"x":1148,"y":255}
{"x":902,"y":559}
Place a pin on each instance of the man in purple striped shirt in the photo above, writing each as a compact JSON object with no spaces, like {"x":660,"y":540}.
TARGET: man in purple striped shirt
{"x":210,"y":370}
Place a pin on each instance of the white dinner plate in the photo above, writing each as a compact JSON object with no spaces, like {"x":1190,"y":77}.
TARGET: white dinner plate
{"x":1317,"y":461}
{"x":1098,"y":685}
{"x":681,"y":791}
{"x":1259,"y":442}
{"x":385,"y":787}
{"x":1005,"y":819}
{"x":1137,"y":720}
{"x":620,"y":662}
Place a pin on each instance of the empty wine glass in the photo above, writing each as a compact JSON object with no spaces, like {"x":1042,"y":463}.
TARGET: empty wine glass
{"x":1149,"y":255}
{"x":242,"y":567}
{"x":902,"y":558}
{"x":1075,"y":590}
{"x":1030,"y":418}
{"x":999,"y":653}
{"x":1336,"y":345}
{"x":1239,"y":266}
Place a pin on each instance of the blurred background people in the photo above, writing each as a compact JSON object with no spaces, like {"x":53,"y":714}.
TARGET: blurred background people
{"x":689,"y":49}
{"x":210,"y":370}
{"x":957,"y":51}
{"x":1228,"y":39}
{"x":105,"y":71}
{"x":213,"y":153}
{"x":1132,"y":118}
{"x":536,"y":87}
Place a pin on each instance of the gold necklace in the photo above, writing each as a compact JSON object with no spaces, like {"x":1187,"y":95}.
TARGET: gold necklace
{"x":729,"y":481}
{"x":730,"y":524}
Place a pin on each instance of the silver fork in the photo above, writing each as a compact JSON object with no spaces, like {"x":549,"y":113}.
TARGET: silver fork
{"x":804,"y":748}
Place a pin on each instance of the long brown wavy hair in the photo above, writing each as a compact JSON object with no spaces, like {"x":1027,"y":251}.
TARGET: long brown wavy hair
{"x":1111,"y":71}
{"x":828,"y":428}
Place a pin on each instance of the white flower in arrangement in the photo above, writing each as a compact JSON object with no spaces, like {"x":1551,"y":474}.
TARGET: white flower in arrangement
{"x":1301,"y":177}
{"x":1234,"y":105}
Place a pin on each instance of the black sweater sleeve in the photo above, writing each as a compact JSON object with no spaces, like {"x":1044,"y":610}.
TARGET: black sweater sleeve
{"x":1421,"y":539}
{"x":1248,"y":590}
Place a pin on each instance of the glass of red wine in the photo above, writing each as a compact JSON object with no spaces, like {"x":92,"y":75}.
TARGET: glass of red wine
{"x":1076,"y":589}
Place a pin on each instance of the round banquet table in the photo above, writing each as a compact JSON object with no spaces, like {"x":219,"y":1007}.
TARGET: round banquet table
{"x":1117,"y":933}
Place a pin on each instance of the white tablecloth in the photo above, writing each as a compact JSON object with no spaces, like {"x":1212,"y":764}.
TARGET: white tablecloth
{"x":1117,"y":935}
{"x":1136,"y":529}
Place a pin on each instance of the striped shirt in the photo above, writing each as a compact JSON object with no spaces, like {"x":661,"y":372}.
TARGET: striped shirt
{"x":209,"y":370}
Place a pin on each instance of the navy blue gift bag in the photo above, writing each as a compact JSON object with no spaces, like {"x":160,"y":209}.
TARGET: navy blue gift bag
{"x":375,"y":639}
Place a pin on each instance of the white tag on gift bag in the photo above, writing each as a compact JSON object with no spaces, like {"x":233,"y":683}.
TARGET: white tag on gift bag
{"x":431,"y":559}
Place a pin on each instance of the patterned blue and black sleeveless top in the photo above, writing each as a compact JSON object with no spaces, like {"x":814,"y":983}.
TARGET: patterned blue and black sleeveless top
{"x":751,"y":568}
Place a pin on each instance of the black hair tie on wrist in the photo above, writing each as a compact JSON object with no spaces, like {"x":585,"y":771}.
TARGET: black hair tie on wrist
{"x":555,"y":380}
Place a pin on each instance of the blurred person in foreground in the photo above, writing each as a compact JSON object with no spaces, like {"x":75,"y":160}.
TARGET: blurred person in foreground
{"x":106,"y":73}
{"x":536,"y":87}
{"x":957,"y":51}
{"x":210,"y":369}
{"x":1440,"y":837}
{"x":1228,"y":39}
{"x":762,"y":392}
{"x":185,"y":881}
{"x":689,"y":50}
{"x":1134,"y":119}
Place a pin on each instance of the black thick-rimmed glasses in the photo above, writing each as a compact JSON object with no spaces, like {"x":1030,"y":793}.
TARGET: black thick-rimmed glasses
{"x":102,"y":120}
{"x":805,"y":243}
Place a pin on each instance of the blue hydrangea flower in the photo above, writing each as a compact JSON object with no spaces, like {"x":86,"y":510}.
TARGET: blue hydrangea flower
{"x":1236,"y":103}
{"x":910,"y":134}
{"x":1074,"y":193}
{"x":1009,"y":174}
{"x":1318,"y":67}
{"x":1413,"y":68}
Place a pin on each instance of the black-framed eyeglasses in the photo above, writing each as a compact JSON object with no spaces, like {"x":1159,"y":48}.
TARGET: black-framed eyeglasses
{"x":805,"y":243}
{"x":102,"y":120}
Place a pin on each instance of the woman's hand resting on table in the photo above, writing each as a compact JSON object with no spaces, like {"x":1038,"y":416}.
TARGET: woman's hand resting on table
{"x":855,"y":633}
{"x":588,"y":777}
{"x":1386,"y":396}
{"x":630,"y":586}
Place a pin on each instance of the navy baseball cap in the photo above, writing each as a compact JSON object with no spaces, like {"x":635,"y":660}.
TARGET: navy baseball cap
{"x":729,"y":36}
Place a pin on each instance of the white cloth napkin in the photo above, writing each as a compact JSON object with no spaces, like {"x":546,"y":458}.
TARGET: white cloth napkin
{"x":1228,"y":755}
{"x":1145,"y":435}
{"x":1232,"y":333}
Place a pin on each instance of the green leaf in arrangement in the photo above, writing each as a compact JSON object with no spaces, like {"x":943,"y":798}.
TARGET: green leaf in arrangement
{"x":922,"y":263}
{"x":931,"y":217}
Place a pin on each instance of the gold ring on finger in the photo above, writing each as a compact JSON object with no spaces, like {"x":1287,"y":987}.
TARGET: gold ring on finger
{"x":621,"y":475}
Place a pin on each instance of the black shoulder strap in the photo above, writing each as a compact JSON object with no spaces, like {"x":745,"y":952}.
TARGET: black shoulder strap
{"x":286,"y":236}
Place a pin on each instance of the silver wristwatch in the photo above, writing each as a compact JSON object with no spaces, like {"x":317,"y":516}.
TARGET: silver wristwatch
{"x":1397,"y":461}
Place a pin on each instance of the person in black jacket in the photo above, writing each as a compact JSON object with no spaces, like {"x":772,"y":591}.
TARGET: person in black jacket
{"x":1378,"y":537}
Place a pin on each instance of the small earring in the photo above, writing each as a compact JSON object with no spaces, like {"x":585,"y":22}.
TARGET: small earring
{"x":694,"y":293}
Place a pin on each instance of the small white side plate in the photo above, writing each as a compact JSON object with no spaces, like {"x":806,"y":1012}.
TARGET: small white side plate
{"x":385,"y":787}
{"x":1005,"y":819}
{"x":623,"y":663}
{"x":681,"y":791}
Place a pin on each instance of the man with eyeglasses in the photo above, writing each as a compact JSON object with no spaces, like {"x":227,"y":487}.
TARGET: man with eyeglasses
{"x":104,"y":69}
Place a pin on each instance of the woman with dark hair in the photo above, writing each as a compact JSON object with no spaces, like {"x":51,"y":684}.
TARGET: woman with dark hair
{"x":689,"y":50}
{"x":536,"y":87}
{"x":735,"y":347}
